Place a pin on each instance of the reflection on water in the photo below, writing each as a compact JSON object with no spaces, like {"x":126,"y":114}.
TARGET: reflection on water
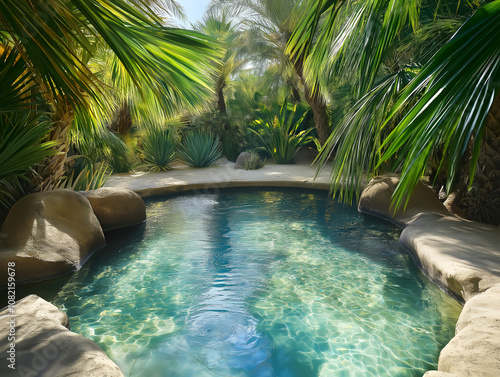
{"x":259,"y":283}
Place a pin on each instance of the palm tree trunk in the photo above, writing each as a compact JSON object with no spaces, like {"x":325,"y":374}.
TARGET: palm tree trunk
{"x":482,"y":201}
{"x":123,"y":121}
{"x":221,"y":104}
{"x":320,"y":114}
{"x":51,"y":172}
{"x":317,"y":103}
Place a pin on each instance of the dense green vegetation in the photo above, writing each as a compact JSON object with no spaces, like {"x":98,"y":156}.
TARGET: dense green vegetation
{"x":411,"y":86}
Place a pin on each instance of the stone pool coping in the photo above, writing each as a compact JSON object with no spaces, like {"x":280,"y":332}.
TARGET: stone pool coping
{"x":459,"y":255}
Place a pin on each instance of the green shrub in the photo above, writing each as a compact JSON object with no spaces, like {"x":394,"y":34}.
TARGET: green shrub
{"x":254,"y":161}
{"x":280,"y":132}
{"x":90,"y":177}
{"x":200,"y":149}
{"x":158,"y":148}
{"x":230,"y":147}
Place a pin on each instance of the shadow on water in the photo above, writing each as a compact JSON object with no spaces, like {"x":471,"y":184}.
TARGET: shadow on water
{"x":118,"y":241}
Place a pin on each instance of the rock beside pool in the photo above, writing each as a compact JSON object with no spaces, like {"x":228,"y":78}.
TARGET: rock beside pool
{"x":47,"y":234}
{"x":116,"y":207}
{"x":475,"y":349}
{"x":240,"y":161}
{"x":442,"y":248}
{"x":44,"y":347}
{"x":376,"y":200}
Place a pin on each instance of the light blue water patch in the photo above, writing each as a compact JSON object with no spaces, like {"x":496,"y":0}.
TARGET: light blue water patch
{"x":259,"y":283}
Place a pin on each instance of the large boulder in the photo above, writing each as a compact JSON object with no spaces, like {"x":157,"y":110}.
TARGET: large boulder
{"x":475,"y":349}
{"x":461,"y":255}
{"x":116,"y":207}
{"x":47,"y":234}
{"x":44,"y":347}
{"x":376,"y":200}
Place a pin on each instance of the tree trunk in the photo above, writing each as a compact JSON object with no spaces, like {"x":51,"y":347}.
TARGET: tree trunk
{"x":123,"y":121}
{"x":482,"y":201}
{"x":51,"y":172}
{"x":317,"y":103}
{"x":221,"y":105}
{"x":320,"y":113}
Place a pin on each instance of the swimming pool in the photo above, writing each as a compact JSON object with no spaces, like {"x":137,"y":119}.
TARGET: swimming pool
{"x":259,"y":283}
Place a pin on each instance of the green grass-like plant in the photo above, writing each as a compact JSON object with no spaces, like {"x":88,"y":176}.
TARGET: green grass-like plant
{"x":200,"y":149}
{"x":254,"y":161}
{"x":158,"y":148}
{"x":91,"y":177}
{"x":280,"y":132}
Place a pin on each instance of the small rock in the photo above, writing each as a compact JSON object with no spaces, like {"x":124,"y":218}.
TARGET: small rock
{"x":240,"y":161}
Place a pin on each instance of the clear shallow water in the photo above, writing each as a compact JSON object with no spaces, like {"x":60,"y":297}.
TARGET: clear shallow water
{"x":259,"y":283}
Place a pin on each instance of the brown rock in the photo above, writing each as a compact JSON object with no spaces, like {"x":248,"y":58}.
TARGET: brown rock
{"x":115,"y":207}
{"x":376,"y":200}
{"x":462,"y":255}
{"x":44,"y":347}
{"x":475,"y":350}
{"x":47,"y":234}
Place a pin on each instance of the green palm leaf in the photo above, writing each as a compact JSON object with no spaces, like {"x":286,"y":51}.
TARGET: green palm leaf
{"x":53,"y":36}
{"x":21,"y":143}
{"x":457,"y":88}
{"x":357,"y":139}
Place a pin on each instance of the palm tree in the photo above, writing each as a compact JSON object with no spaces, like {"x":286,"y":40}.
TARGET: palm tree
{"x":53,"y":43}
{"x":218,"y":25}
{"x":271,"y":25}
{"x":446,"y":105}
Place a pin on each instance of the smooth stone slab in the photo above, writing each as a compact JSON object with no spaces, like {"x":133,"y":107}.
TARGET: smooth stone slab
{"x":44,"y":347}
{"x":461,"y":255}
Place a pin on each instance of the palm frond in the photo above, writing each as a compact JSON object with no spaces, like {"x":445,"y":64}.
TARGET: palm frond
{"x":21,"y":142}
{"x":357,"y":139}
{"x":170,"y":62}
{"x":457,"y":88}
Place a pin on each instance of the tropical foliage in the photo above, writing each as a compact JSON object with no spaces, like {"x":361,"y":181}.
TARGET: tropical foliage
{"x":200,"y":149}
{"x":158,"y":147}
{"x":443,"y":108}
{"x":54,"y":59}
{"x":281,"y":132}
{"x":254,"y":161}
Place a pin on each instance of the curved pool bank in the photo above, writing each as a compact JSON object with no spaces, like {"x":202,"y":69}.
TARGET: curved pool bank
{"x":461,"y":256}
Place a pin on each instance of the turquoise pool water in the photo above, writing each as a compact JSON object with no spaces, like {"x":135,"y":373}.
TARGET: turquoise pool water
{"x":259,"y":283}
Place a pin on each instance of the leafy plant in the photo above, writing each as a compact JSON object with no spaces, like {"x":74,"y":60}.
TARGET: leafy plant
{"x":254,"y":161}
{"x":200,"y":149}
{"x":21,"y":144}
{"x":230,"y":147}
{"x":281,"y":133}
{"x":158,"y":148}
{"x":91,"y":177}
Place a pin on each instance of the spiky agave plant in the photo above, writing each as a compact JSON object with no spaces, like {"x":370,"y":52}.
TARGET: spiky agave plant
{"x":280,"y":133}
{"x":200,"y":149}
{"x":158,"y":148}
{"x":254,"y":162}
